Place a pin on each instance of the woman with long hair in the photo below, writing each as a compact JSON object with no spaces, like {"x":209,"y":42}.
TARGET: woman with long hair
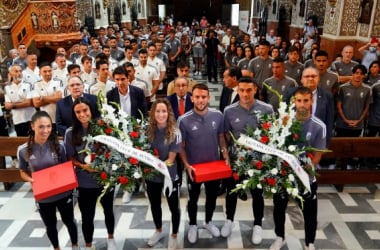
{"x":88,"y":190}
{"x":248,"y":55}
{"x":229,"y":55}
{"x":165,"y":139}
{"x":373,"y":75}
{"x":43,"y":150}
{"x":239,"y":55}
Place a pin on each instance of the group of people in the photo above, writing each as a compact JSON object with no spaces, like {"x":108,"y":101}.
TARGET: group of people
{"x":130,"y":69}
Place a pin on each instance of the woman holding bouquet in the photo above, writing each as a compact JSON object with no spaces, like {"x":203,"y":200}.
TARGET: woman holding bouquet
{"x":43,"y":150}
{"x":89,"y":190}
{"x":165,"y":139}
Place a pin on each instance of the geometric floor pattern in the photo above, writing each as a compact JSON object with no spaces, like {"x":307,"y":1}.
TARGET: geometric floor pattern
{"x":346,"y":220}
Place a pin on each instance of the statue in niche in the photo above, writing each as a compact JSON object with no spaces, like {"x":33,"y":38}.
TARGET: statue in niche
{"x":134,"y":12}
{"x":302,"y":8}
{"x":124,"y":7}
{"x":365,"y":12}
{"x":55,"y":20}
{"x":34,"y":20}
{"x":97,"y":10}
{"x":274,"y":7}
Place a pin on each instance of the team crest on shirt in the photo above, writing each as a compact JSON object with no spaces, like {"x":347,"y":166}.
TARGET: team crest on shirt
{"x":237,"y":120}
{"x":298,"y":71}
{"x":283,"y":88}
{"x":32,"y":157}
{"x":348,"y":94}
{"x":328,"y":82}
{"x":308,"y":136}
{"x":269,"y":65}
{"x":213,"y":124}
{"x":194,"y":128}
{"x":361,"y":94}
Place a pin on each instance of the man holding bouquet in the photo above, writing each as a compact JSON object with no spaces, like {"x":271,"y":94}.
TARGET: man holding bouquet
{"x":237,"y":118}
{"x":314,"y":133}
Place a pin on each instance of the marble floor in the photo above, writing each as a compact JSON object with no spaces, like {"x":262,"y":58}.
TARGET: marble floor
{"x":346,"y":220}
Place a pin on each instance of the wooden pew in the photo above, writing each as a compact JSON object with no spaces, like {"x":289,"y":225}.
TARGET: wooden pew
{"x":8,"y":147}
{"x":342,"y":147}
{"x":349,"y":147}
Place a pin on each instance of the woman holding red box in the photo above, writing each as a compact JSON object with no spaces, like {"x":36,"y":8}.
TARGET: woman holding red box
{"x":89,"y":190}
{"x":165,"y":139}
{"x":43,"y":150}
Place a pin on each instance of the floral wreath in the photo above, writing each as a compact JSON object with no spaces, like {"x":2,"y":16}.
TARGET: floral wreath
{"x":281,"y":132}
{"x":110,"y":166}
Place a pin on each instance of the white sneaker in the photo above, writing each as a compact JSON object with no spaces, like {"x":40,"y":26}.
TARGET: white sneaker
{"x":227,"y":228}
{"x":192,"y":235}
{"x":212,"y":229}
{"x":310,"y":247}
{"x":278,"y":243}
{"x":172,"y":244}
{"x":156,"y":237}
{"x":127,"y":196}
{"x":256,"y":235}
{"x":111,"y":244}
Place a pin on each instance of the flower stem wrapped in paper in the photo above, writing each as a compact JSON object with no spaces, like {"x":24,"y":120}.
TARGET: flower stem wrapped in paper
{"x":274,"y":156}
{"x":118,"y":149}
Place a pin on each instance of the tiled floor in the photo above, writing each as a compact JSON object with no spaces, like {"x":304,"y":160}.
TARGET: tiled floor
{"x":346,"y":220}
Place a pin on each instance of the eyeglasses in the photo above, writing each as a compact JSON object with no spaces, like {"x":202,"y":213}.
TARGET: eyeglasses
{"x":75,"y":85}
{"x":310,"y":76}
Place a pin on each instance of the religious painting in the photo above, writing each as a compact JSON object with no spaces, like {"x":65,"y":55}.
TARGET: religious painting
{"x":365,"y":11}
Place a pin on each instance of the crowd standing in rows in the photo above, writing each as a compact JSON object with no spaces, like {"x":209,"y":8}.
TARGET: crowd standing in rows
{"x":134,"y":67}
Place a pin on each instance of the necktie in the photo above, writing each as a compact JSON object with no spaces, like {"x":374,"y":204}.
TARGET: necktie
{"x":181,"y":109}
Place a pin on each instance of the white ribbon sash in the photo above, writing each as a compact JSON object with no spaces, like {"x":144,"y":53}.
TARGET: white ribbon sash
{"x":142,"y":156}
{"x":289,"y":158}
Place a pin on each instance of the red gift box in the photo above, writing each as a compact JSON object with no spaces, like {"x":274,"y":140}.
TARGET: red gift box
{"x":54,"y":180}
{"x":209,"y":171}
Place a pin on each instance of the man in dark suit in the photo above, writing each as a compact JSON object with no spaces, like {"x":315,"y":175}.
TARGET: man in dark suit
{"x":131,"y":99}
{"x":64,"y":115}
{"x":181,"y":94}
{"x":323,"y":105}
{"x":181,"y":103}
{"x":229,"y":95}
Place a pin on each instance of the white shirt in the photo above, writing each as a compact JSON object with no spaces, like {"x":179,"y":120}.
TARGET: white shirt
{"x":147,"y":74}
{"x":101,"y":86}
{"x":141,"y":85}
{"x":19,"y":93}
{"x":43,"y":88}
{"x":125,"y":102}
{"x":31,"y":76}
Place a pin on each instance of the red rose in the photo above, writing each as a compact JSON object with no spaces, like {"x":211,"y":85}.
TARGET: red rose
{"x":236,"y":176}
{"x":134,"y":134}
{"x":108,"y":130}
{"x":266,"y":125}
{"x":241,"y":158}
{"x":133,"y":161}
{"x":100,"y":122}
{"x":155,"y":152}
{"x":284,"y":172}
{"x":285,"y":163}
{"x":259,"y":165}
{"x":271,"y":181}
{"x":123,"y":180}
{"x":296,"y":137}
{"x":146,"y":170}
{"x":264,"y":139}
{"x":93,"y":156}
{"x":103,"y":175}
{"x":310,"y":155}
{"x":107,"y":155}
